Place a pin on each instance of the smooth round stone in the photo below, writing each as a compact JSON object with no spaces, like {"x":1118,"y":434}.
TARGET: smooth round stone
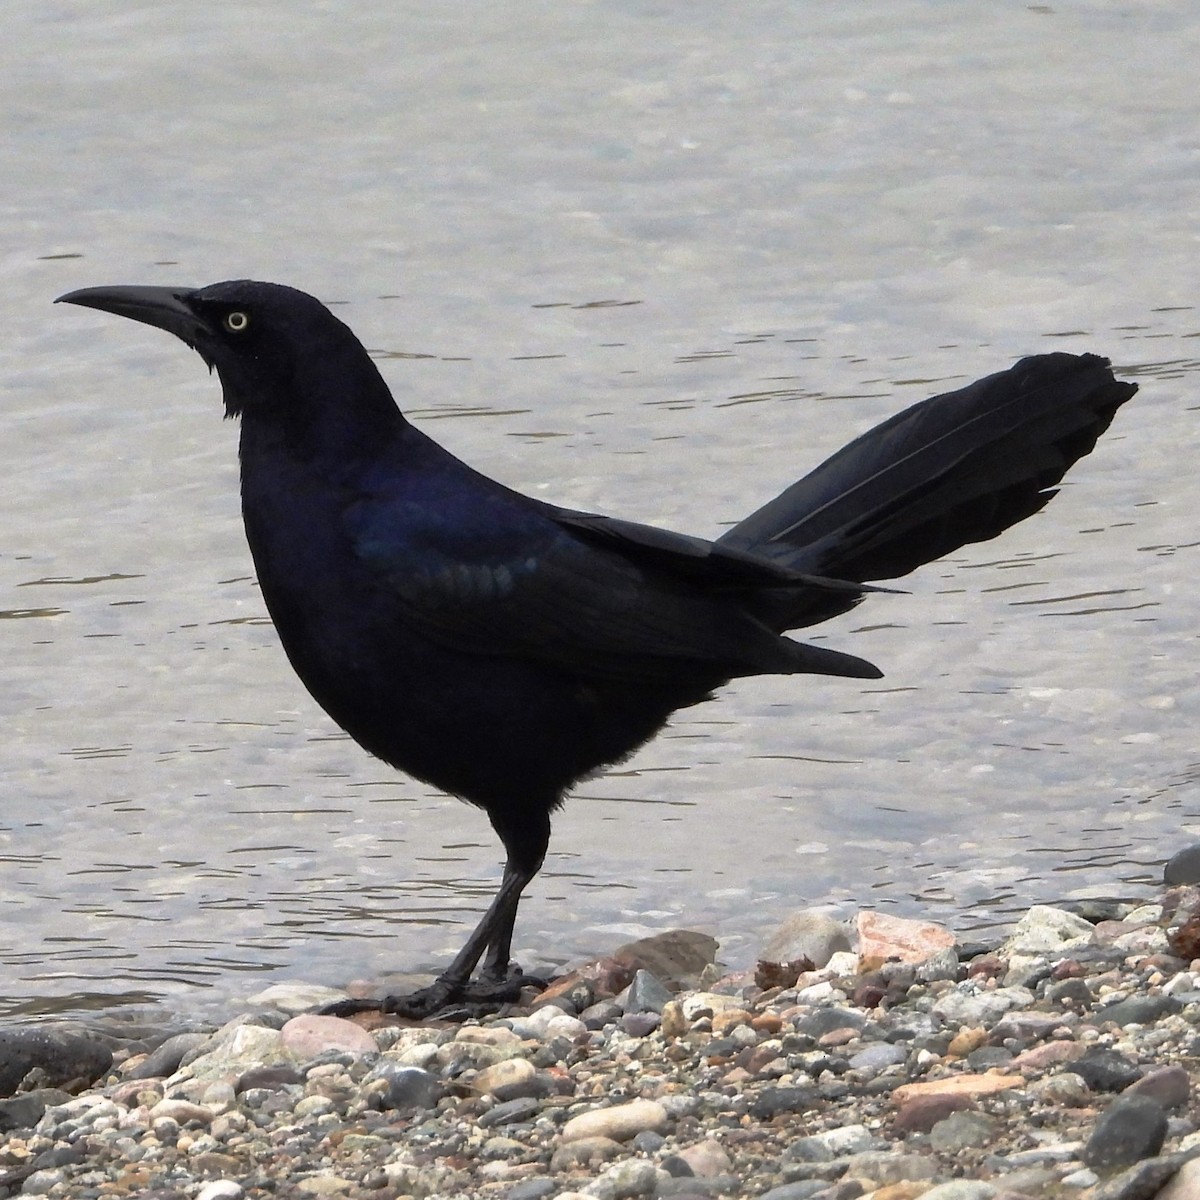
{"x":620,"y":1122}
{"x":309,"y":1036}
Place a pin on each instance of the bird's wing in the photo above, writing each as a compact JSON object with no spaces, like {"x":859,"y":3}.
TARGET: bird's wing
{"x":507,"y":578}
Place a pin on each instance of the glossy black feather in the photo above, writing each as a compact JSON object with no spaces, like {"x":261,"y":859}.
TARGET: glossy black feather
{"x":503,"y":648}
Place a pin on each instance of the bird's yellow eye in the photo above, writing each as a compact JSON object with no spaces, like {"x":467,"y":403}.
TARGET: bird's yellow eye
{"x":236,"y":322}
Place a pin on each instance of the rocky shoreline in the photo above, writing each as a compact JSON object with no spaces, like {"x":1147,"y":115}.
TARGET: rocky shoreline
{"x":881,"y":1059}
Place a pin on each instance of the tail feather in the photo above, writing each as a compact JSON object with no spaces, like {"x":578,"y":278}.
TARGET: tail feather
{"x":957,"y":468}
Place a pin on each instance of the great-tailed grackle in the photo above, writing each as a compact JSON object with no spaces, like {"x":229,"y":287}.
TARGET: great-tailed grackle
{"x":502,"y":648}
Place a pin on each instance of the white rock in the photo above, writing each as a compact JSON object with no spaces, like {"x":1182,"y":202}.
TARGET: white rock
{"x":220,"y":1189}
{"x":1046,"y":930}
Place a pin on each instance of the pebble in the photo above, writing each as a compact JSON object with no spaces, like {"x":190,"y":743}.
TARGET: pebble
{"x":620,"y":1122}
{"x":1023,"y":1071}
{"x":1130,"y":1129}
{"x":310,"y":1035}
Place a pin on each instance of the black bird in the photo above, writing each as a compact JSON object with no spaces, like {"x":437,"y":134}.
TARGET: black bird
{"x":502,"y":648}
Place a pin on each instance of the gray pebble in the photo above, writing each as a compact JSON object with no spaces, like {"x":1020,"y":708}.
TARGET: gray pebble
{"x":878,"y":1056}
{"x":645,"y":994}
{"x":524,"y":1108}
{"x":648,"y":1142}
{"x":962,"y":1131}
{"x":634,"y":1177}
{"x":532,"y":1189}
{"x":1130,"y":1129}
{"x":1104,"y":1070}
{"x":404,"y":1087}
{"x":801,"y":1190}
{"x":1138,"y":1010}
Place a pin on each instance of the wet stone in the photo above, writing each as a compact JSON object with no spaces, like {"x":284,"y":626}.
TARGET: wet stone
{"x":60,"y":1056}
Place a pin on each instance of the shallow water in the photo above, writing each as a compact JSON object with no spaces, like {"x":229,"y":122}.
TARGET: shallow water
{"x":650,"y":259}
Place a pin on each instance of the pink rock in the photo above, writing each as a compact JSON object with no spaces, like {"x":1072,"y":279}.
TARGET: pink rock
{"x":883,"y":938}
{"x":1048,"y":1054}
{"x":1170,"y":1086}
{"x":707,"y":1159}
{"x":309,"y":1035}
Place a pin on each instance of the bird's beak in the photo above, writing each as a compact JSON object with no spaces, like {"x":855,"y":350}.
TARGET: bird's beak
{"x":163,"y":307}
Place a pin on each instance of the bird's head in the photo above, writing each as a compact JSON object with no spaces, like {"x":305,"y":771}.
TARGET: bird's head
{"x":279,"y":352}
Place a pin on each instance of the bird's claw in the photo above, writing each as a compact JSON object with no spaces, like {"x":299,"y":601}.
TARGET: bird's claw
{"x":445,"y":999}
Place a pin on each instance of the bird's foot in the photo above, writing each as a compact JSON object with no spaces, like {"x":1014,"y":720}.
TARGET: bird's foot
{"x":446,"y":1000}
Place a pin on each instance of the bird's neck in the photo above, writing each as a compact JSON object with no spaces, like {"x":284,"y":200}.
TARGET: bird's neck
{"x":327,"y":428}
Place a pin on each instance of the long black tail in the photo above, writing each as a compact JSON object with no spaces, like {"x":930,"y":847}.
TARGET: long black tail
{"x":957,"y":468}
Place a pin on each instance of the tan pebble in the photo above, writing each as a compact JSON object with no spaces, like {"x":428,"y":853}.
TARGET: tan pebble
{"x":906,"y":1189}
{"x":180,"y":1111}
{"x":585,"y":1152}
{"x":492,"y":1035}
{"x":673,"y":1023}
{"x":737,"y":1076}
{"x":505,"y":1078}
{"x":728,"y":1019}
{"x":620,"y":1122}
{"x":966,"y":1040}
{"x":324,"y":1185}
{"x":1183,"y":1185}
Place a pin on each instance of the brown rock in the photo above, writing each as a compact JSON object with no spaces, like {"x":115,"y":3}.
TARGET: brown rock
{"x":673,"y":1023}
{"x":780,"y":975}
{"x":885,"y":938}
{"x":769,"y":1023}
{"x":838,"y":1037}
{"x":919,"y":1114}
{"x":675,"y":957}
{"x":605,"y":977}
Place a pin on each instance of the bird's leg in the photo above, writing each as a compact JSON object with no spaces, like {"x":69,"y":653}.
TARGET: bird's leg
{"x":501,"y":982}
